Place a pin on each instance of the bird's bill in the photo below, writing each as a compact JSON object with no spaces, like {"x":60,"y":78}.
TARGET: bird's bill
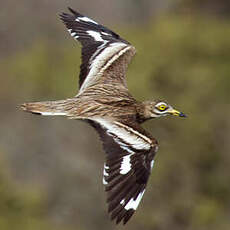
{"x":176,"y":113}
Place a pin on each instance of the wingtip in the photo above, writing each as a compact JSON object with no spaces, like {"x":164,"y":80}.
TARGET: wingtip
{"x":73,"y":11}
{"x":70,"y":9}
{"x":65,"y":15}
{"x":62,"y":15}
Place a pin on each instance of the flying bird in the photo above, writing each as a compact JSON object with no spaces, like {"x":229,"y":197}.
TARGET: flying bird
{"x":105,"y":103}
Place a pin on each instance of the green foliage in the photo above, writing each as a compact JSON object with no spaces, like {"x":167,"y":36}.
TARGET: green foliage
{"x":20,"y":208}
{"x":182,"y":60}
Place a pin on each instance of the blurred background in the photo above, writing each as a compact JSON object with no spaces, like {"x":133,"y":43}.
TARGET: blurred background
{"x":51,"y":168}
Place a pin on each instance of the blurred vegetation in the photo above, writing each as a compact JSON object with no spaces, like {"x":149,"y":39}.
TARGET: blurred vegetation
{"x":184,"y":60}
{"x":216,"y":7}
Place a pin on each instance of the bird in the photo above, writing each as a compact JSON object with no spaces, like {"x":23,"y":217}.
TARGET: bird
{"x":104,"y":102}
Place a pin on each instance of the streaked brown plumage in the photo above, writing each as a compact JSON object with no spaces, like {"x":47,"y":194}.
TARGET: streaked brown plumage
{"x":105,"y":103}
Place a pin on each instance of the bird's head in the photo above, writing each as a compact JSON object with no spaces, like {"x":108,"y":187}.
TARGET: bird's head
{"x":160,"y":108}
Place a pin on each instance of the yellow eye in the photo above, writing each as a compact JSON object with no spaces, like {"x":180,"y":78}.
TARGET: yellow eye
{"x":162,"y":107}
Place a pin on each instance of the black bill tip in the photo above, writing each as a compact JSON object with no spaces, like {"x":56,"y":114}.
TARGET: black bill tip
{"x":182,"y":115}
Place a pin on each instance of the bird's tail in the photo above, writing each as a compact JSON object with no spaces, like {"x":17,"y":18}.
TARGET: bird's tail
{"x":48,"y":108}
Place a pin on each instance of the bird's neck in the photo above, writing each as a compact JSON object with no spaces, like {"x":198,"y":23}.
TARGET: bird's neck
{"x":144,"y":111}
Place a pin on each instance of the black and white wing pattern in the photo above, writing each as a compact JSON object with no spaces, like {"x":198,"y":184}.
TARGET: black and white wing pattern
{"x":101,"y":47}
{"x":129,"y":159}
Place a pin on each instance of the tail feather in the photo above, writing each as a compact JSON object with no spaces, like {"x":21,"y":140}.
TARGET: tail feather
{"x":48,"y":108}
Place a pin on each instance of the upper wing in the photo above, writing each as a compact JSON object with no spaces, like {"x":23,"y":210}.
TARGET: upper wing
{"x":101,"y":47}
{"x":129,"y":160}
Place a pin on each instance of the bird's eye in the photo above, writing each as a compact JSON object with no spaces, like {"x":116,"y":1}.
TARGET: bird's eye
{"x":162,"y":107}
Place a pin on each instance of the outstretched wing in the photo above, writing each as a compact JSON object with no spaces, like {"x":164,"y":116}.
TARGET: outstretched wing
{"x":101,"y":48}
{"x":129,"y":159}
